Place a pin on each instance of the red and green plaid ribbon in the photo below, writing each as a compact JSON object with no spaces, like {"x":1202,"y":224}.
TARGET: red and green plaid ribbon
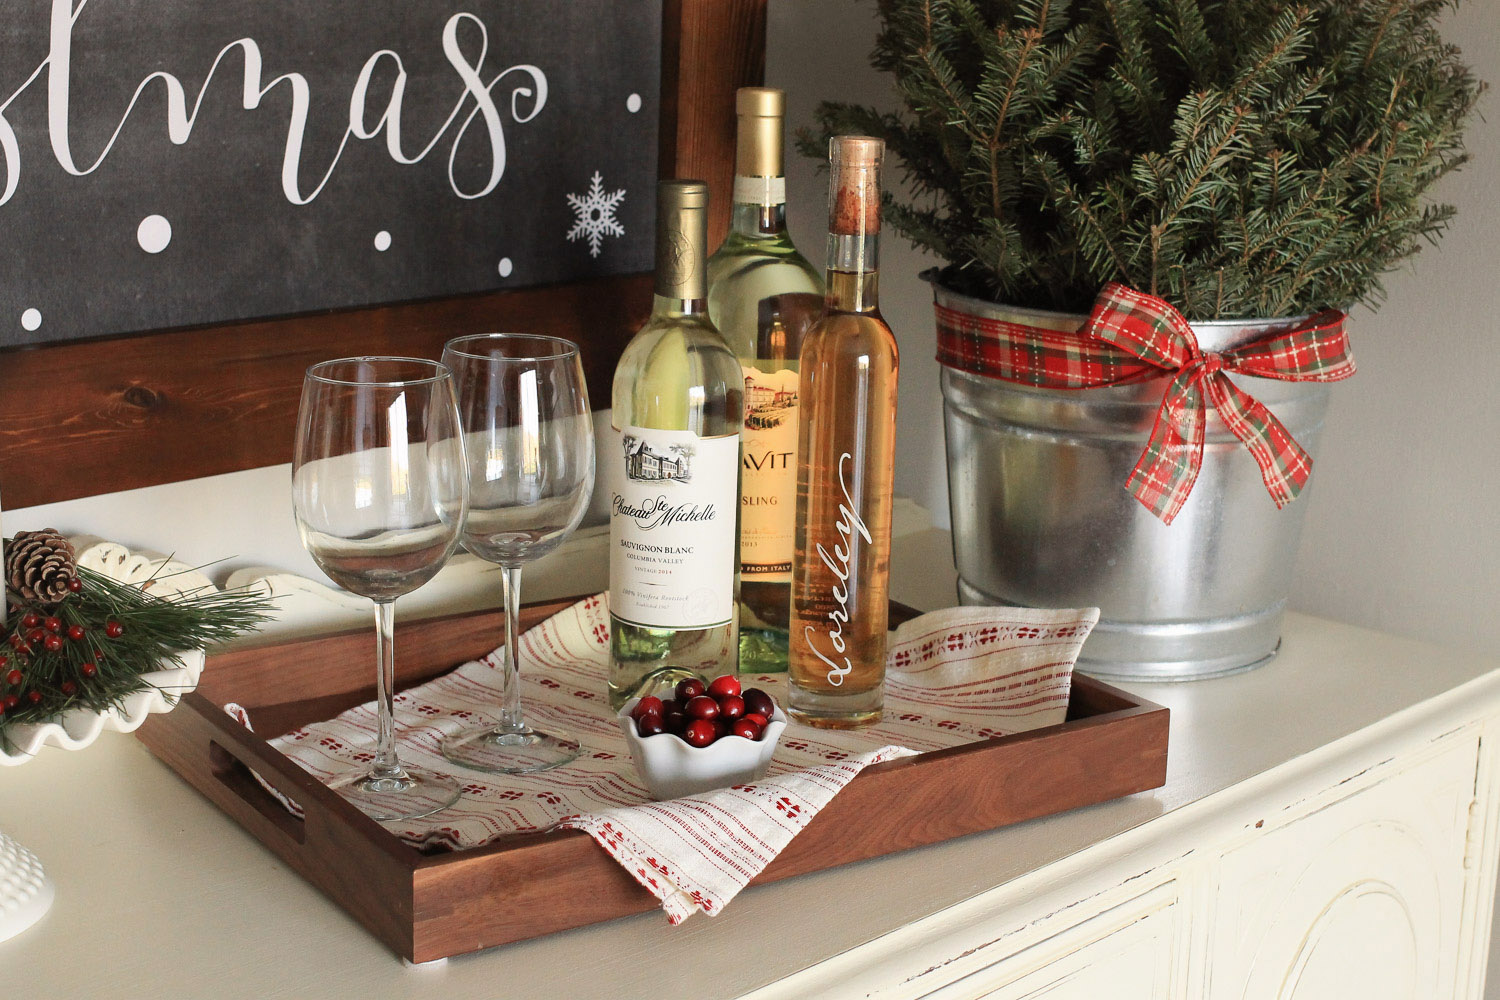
{"x":1132,"y":337}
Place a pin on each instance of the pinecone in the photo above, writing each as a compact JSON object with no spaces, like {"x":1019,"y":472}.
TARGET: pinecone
{"x":39,"y":565}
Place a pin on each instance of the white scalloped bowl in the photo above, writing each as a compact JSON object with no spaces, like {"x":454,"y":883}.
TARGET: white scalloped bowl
{"x":672,"y":769}
{"x":78,"y":728}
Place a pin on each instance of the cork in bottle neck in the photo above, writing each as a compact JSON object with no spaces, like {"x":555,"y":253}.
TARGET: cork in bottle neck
{"x":681,"y":239}
{"x":854,"y":185}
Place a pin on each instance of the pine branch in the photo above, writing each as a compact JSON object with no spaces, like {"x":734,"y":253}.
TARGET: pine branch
{"x":1233,"y":154}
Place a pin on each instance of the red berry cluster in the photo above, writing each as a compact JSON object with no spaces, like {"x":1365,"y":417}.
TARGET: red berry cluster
{"x":700,"y":714}
{"x":36,"y":633}
{"x":12,"y":678}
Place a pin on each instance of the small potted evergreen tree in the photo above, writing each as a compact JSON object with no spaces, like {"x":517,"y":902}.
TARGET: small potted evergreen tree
{"x":1154,"y":214}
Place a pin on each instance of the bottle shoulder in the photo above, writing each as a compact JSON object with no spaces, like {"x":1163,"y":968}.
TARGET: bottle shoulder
{"x":851,"y":333}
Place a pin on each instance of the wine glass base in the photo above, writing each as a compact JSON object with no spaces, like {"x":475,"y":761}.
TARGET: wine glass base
{"x":410,"y":795}
{"x":500,"y":752}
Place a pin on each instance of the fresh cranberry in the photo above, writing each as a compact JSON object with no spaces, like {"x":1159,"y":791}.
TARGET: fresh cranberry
{"x":675,"y":721}
{"x":114,"y":629}
{"x":745,"y":728}
{"x":722,"y":687}
{"x":36,"y":635}
{"x":13,"y":678}
{"x":731,"y":706}
{"x":689,"y":689}
{"x":649,"y":724}
{"x":69,"y":688}
{"x":700,"y":733}
{"x":702,"y":707}
{"x":89,"y":668}
{"x":30,"y":620}
{"x":755,"y":717}
{"x":11,"y":701}
{"x":52,"y":643}
{"x":52,"y":624}
{"x":75,"y":632}
{"x":33,"y":696}
{"x":650,"y":705}
{"x":757,"y":702}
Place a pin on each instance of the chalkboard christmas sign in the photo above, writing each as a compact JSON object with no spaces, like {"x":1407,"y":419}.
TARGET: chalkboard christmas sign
{"x":166,"y":163}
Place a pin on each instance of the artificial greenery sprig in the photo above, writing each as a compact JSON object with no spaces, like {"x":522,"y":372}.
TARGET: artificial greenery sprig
{"x":92,"y":649}
{"x":1240,"y":158}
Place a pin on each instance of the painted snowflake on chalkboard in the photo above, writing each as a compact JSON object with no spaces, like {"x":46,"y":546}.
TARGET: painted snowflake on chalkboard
{"x":595,"y":214}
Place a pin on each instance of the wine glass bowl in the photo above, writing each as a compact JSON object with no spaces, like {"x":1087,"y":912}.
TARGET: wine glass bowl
{"x":380,"y":493}
{"x":529,"y":440}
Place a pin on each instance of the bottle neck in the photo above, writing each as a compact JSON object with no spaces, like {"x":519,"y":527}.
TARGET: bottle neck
{"x":668,"y":307}
{"x":853,"y":278}
{"x":759,"y":207}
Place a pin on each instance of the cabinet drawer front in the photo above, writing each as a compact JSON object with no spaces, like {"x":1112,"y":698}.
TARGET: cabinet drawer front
{"x":1129,"y":952}
{"x":1358,"y":893}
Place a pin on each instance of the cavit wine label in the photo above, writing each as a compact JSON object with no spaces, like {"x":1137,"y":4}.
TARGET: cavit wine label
{"x":851,"y":527}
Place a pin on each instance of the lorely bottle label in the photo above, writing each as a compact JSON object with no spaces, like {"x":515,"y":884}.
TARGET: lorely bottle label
{"x":842,"y":580}
{"x":672,"y":528}
{"x":768,"y":491}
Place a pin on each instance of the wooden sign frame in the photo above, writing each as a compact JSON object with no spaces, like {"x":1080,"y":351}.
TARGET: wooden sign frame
{"x":83,"y":418}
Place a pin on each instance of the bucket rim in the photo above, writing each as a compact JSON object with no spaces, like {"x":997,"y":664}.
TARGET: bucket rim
{"x":945,"y":295}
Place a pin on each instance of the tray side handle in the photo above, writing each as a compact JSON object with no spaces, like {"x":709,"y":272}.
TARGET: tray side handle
{"x":337,"y":848}
{"x":241,"y":779}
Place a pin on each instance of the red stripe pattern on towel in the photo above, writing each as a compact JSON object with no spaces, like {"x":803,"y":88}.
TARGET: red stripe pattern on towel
{"x":954,"y":677}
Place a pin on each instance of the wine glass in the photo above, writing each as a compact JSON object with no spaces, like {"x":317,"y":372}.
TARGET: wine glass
{"x":529,"y":438}
{"x":380,"y":493}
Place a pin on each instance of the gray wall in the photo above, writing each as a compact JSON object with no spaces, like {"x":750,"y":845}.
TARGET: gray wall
{"x":1402,"y":528}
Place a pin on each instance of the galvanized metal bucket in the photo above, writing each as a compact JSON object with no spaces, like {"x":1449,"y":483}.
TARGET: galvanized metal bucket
{"x":1041,"y":517}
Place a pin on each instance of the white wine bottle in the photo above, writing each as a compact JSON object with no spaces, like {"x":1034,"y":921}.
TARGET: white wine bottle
{"x":763,"y":296}
{"x":674,"y":473}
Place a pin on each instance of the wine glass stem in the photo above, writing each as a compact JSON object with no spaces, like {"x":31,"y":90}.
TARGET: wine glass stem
{"x":386,"y":762}
{"x":510,"y":712}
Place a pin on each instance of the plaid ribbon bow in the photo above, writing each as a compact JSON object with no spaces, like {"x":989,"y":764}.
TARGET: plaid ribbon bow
{"x":1132,"y":337}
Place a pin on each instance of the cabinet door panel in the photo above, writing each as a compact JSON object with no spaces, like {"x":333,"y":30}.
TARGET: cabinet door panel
{"x":1356,"y":894}
{"x":1129,"y":952}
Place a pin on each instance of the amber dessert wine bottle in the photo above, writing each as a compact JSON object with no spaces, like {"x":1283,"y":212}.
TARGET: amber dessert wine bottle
{"x":846,"y":444}
{"x":763,"y":295}
{"x":673,"y":473}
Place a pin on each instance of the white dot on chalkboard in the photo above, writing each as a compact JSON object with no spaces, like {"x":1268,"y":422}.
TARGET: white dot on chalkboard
{"x":31,"y":319}
{"x":505,"y":267}
{"x":633,"y":103}
{"x":382,"y":241}
{"x":154,"y":233}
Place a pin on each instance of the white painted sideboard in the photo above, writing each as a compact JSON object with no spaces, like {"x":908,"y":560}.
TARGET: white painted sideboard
{"x":1327,"y":832}
{"x":1363,"y":870}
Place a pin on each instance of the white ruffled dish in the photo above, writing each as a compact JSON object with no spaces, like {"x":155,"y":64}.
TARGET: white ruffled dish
{"x":78,"y":728}
{"x":672,"y":769}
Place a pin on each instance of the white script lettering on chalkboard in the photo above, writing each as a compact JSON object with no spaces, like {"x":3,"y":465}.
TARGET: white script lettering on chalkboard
{"x":527,"y":98}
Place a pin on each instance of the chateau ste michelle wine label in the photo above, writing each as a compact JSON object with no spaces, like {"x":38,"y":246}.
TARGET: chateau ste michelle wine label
{"x":672,"y":528}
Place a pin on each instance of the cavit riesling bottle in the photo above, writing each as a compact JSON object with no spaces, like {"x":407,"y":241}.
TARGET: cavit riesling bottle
{"x":674,"y":473}
{"x":763,"y":295}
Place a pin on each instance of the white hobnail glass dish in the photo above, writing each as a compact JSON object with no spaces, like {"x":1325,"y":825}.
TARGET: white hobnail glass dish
{"x":672,"y":769}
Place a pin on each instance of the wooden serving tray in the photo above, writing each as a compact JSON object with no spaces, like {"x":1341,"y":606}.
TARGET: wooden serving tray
{"x":430,"y":906}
